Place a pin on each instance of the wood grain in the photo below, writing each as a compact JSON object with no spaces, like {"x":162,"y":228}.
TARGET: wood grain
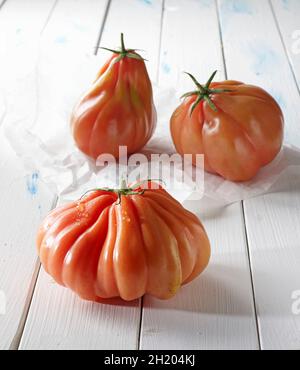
{"x":24,"y":199}
{"x":140,"y":22}
{"x":215,"y":311}
{"x":57,"y":319}
{"x":256,"y":55}
{"x":287,"y":15}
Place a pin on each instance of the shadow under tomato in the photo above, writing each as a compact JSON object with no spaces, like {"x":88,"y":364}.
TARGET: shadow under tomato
{"x":221,"y":290}
{"x":118,"y":302}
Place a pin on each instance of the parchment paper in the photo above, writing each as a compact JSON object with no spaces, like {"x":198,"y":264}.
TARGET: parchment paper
{"x":39,"y":94}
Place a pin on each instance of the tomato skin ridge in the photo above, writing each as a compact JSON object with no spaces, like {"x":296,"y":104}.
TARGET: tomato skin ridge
{"x":105,"y":284}
{"x":236,"y":154}
{"x":183,"y":230}
{"x":76,"y":224}
{"x":79,"y":255}
{"x":170,"y":284}
{"x":104,"y":248}
{"x":107,"y":116}
{"x":188,"y":225}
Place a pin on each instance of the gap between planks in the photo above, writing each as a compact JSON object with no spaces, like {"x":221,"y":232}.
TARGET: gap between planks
{"x":49,"y":16}
{"x":15,"y":344}
{"x":17,"y":339}
{"x":242,"y":202}
{"x":19,"y":333}
{"x":139,"y":337}
{"x":284,"y":45}
{"x":2,"y":3}
{"x":160,"y":39}
{"x":102,"y":27}
{"x":18,"y":336}
{"x":251,"y":277}
{"x":221,"y":38}
{"x":255,"y":287}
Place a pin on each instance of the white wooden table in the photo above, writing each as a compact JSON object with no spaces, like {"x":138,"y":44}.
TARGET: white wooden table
{"x":247,"y":298}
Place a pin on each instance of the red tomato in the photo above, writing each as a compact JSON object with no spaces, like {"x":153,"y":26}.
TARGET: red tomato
{"x":123,"y":243}
{"x":118,"y":109}
{"x":238,"y":128}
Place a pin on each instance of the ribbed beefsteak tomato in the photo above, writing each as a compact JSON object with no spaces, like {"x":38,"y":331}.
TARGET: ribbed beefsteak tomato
{"x":118,"y":109}
{"x":238,"y":128}
{"x":123,"y":243}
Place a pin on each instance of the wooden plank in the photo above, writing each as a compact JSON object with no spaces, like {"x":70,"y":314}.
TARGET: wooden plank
{"x":22,"y":22}
{"x":215,"y":311}
{"x":140,"y":21}
{"x":24,"y":202}
{"x":24,"y":199}
{"x":287,"y":15}
{"x":58,"y":319}
{"x":256,"y":55}
{"x":2,"y":3}
{"x":273,"y":224}
{"x":75,"y":26}
{"x":187,"y":46}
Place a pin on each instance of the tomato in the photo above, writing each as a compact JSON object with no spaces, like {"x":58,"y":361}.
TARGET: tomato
{"x":123,"y":243}
{"x":118,"y":109}
{"x":238,"y":128}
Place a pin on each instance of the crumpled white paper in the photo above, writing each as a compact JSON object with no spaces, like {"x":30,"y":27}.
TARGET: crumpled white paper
{"x":39,"y":96}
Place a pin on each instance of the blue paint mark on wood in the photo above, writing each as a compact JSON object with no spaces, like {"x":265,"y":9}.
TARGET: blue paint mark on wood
{"x":61,"y":40}
{"x":279,"y":98}
{"x":285,"y":4}
{"x":146,"y":2}
{"x":32,"y":183}
{"x":40,"y":210}
{"x":166,"y":68}
{"x":237,"y":7}
{"x":206,"y":3}
{"x":265,"y":59}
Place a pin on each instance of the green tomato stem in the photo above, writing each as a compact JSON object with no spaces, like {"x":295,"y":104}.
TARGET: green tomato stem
{"x":124,"y":189}
{"x":123,"y":52}
{"x":204,"y":92}
{"x":123,"y":43}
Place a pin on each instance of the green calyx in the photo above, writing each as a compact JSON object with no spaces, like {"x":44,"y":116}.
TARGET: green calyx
{"x":124,"y":189}
{"x":123,"y":52}
{"x":204,"y":92}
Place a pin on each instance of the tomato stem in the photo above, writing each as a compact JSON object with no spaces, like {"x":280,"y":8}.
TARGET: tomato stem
{"x":123,"y":49}
{"x":124,"y":189}
{"x":204,"y":92}
{"x":123,"y":52}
